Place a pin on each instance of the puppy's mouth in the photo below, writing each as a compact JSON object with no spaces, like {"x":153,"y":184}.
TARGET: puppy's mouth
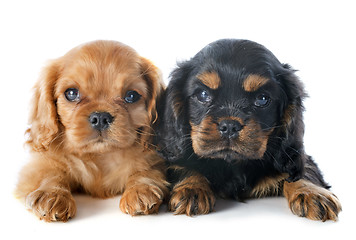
{"x":99,"y":142}
{"x":227,"y":155}
{"x":230,"y":151}
{"x":95,"y":142}
{"x":229,"y":139}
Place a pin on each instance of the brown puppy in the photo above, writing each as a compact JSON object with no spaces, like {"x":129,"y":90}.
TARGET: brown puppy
{"x":90,"y":131}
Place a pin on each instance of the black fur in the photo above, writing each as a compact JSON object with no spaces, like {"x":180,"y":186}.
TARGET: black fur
{"x":235,"y":176}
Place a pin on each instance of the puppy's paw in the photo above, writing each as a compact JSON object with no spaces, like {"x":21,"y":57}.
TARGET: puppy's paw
{"x":141,"y":200}
{"x":191,"y":200}
{"x":315,"y":203}
{"x":56,"y":205}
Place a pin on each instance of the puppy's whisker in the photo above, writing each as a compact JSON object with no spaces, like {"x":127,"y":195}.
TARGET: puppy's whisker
{"x":58,"y":144}
{"x":146,"y":71}
{"x":187,"y":142}
{"x":184,"y":138}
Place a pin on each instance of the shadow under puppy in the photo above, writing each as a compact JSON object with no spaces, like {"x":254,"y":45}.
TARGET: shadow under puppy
{"x":231,"y":126}
{"x":91,"y":130}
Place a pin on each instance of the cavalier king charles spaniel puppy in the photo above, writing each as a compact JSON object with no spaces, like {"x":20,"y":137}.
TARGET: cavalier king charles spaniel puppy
{"x":231,"y":126}
{"x":90,"y":131}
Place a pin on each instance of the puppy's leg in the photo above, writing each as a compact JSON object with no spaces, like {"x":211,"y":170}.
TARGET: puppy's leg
{"x":144,"y":192}
{"x":310,"y":198}
{"x":45,"y":190}
{"x":191,"y":193}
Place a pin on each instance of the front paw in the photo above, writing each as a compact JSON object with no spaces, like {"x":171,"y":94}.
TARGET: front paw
{"x":191,"y":200}
{"x":56,"y":205}
{"x":141,"y":200}
{"x":314,"y":202}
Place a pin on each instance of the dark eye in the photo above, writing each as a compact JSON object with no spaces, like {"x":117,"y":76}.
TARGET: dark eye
{"x":203,"y":96}
{"x":262,"y":100}
{"x":72,"y":94}
{"x":132,"y":96}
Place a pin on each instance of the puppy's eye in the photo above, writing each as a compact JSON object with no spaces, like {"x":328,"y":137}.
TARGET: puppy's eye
{"x":262,"y":100}
{"x":72,"y":94}
{"x":132,"y":96}
{"x":203,"y":96}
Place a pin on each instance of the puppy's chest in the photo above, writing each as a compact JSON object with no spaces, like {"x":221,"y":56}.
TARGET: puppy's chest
{"x":102,"y":176}
{"x":237,"y":180}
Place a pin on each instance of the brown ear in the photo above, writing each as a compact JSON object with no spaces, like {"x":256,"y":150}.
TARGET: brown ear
{"x":43,"y":116}
{"x":153,"y":77}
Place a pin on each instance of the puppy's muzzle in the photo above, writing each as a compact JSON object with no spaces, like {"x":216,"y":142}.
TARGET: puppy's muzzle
{"x":100,"y":120}
{"x":229,"y":129}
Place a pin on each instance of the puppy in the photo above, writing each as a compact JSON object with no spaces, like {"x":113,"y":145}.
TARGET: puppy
{"x":231,"y":126}
{"x":91,"y":130}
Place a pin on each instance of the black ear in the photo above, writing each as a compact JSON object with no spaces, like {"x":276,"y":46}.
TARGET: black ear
{"x":292,"y":110}
{"x":172,"y":128}
{"x":291,"y":155}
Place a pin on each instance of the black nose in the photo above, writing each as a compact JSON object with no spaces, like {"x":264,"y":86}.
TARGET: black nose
{"x":100,"y":120}
{"x":229,"y":128}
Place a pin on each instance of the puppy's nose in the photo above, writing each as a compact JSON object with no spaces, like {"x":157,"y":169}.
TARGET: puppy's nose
{"x":229,"y":128}
{"x":100,"y":120}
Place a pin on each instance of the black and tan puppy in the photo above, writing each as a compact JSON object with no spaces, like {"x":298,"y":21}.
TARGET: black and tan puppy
{"x":232,"y":127}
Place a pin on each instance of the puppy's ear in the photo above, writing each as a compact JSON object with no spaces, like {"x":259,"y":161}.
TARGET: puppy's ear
{"x":292,"y":131}
{"x":173,"y":126}
{"x":43,"y":116}
{"x":292,"y":109}
{"x":153,"y":77}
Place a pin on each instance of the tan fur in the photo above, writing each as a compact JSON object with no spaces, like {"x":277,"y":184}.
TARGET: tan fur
{"x":198,"y":134}
{"x":68,"y":154}
{"x":253,"y":82}
{"x":288,"y":115}
{"x":251,"y":142}
{"x":269,"y":186}
{"x":193,"y":187}
{"x":210,"y":79}
{"x":309,"y":200}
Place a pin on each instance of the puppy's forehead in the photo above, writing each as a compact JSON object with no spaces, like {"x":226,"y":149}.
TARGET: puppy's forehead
{"x":247,"y":82}
{"x":103,"y":66}
{"x":241,"y":63}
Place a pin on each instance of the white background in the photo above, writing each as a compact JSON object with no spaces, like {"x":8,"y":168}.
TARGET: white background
{"x":315,"y":37}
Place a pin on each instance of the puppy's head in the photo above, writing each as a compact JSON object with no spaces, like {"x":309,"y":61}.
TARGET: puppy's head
{"x":230,"y":101}
{"x":99,"y":96}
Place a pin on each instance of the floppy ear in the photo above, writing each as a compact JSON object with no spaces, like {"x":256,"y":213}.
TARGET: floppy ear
{"x":292,"y":111}
{"x":173,"y":128}
{"x":292,"y":131}
{"x":153,"y":77}
{"x":43,"y":116}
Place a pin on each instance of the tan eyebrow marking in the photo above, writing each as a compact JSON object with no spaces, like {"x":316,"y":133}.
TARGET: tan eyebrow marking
{"x":253,"y":82}
{"x":210,"y":79}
